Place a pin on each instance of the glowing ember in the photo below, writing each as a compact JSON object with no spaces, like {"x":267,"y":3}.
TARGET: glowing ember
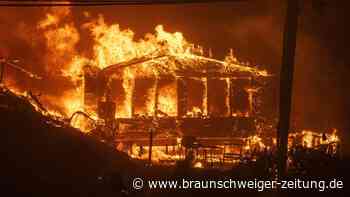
{"x":198,"y":165}
{"x":308,"y":138}
{"x":254,"y":143}
{"x":195,"y":112}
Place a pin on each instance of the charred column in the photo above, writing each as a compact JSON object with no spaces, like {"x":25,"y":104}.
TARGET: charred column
{"x":250,"y":92}
{"x":106,"y":110}
{"x":93,"y":85}
{"x":231,"y":96}
{"x":205,"y":96}
{"x":132,"y":101}
{"x":181,"y":96}
{"x":286,"y":82}
{"x":156,"y":97}
{"x":228,"y":96}
{"x":151,"y":130}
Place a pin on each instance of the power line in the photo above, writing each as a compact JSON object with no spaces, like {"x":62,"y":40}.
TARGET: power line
{"x":119,"y":1}
{"x":30,"y":3}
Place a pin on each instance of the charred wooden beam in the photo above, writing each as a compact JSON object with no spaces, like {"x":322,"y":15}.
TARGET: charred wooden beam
{"x":92,"y":88}
{"x":205,"y":96}
{"x":106,"y":110}
{"x":181,"y":97}
{"x":156,"y":96}
{"x":231,"y":97}
{"x":197,"y":74}
{"x":286,"y":83}
{"x":134,"y":62}
{"x":150,"y":145}
{"x":132,"y":102}
{"x":250,"y":97}
{"x":228,"y":97}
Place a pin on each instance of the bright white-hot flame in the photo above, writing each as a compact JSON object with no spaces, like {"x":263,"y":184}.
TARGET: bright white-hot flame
{"x":195,"y":112}
{"x":254,"y":142}
{"x":128,"y":86}
{"x":158,"y":153}
{"x":198,"y":165}
{"x":308,"y":138}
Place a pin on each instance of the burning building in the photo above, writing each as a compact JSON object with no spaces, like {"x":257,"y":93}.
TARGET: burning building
{"x":160,"y":91}
{"x":162,"y":82}
{"x":176,"y":94}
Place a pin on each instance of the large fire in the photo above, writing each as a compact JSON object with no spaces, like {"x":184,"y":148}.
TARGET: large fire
{"x":167,"y":53}
{"x":113,"y":45}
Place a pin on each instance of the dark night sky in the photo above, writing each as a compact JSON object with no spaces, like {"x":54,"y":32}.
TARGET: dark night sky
{"x":253,"y":29}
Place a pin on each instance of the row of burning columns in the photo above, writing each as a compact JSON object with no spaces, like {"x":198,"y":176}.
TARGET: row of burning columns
{"x":182,"y":97}
{"x":182,"y":92}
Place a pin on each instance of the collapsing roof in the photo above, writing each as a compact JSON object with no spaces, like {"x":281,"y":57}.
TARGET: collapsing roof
{"x":190,"y":65}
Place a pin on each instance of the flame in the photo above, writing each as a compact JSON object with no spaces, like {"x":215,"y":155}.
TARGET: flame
{"x":253,"y":142}
{"x":205,"y":96}
{"x":128,"y":86}
{"x":331,"y":138}
{"x":168,"y":100}
{"x":112,"y":45}
{"x":151,"y":100}
{"x":80,"y":122}
{"x":178,"y":141}
{"x":312,"y":139}
{"x":198,"y":165}
{"x":61,"y":38}
{"x":72,"y":102}
{"x":158,"y":153}
{"x":195,"y":112}
{"x":308,"y":138}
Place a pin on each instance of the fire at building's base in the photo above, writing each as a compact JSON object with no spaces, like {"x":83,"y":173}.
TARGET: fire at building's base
{"x":43,"y":153}
{"x":208,"y":143}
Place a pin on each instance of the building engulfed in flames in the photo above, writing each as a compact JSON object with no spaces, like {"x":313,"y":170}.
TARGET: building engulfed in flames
{"x":183,"y":94}
{"x":177,"y":95}
{"x":161,"y":95}
{"x":161,"y":83}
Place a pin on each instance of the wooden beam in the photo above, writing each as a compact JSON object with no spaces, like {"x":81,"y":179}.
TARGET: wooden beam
{"x":205,"y":96}
{"x":182,"y":95}
{"x":228,"y":97}
{"x":156,"y":97}
{"x":150,"y":146}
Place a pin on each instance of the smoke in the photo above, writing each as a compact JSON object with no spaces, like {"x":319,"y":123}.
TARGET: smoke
{"x":319,"y":97}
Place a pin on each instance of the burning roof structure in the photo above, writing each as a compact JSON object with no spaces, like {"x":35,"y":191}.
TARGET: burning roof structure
{"x":157,"y":67}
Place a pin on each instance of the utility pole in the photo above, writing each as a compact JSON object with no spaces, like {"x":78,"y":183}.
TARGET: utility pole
{"x":2,"y":70}
{"x":286,"y":84}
